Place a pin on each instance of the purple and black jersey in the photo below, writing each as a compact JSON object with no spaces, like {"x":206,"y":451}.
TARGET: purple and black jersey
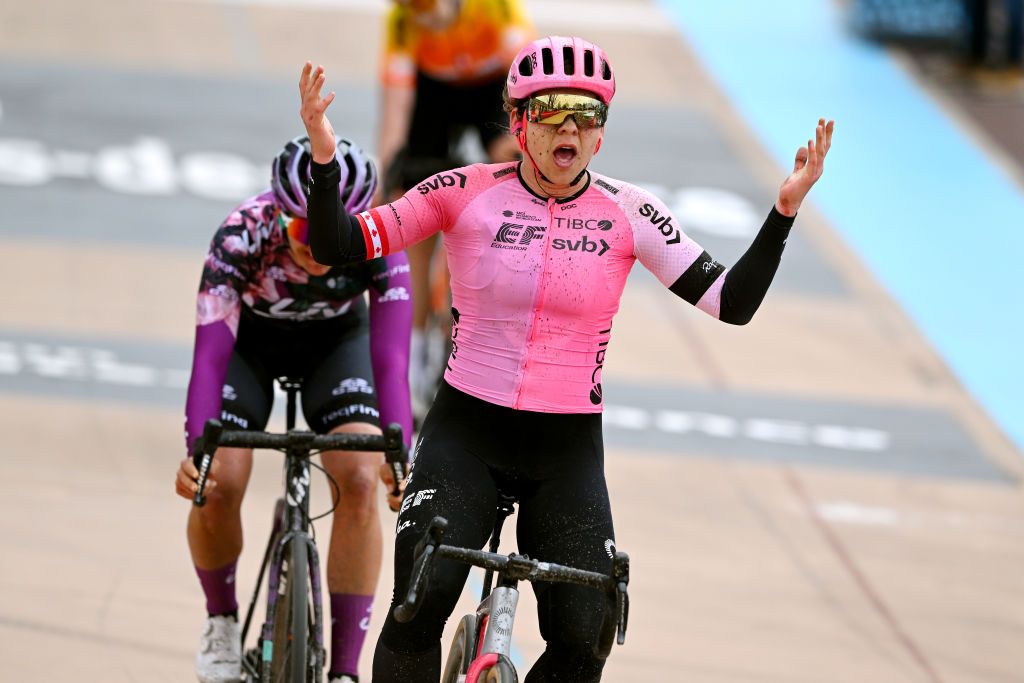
{"x":249,"y":265}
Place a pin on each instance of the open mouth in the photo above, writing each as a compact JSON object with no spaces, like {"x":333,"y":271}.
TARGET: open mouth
{"x":564,"y":155}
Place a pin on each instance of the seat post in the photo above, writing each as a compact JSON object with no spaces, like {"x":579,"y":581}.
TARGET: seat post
{"x":291,"y":387}
{"x":506,"y":506}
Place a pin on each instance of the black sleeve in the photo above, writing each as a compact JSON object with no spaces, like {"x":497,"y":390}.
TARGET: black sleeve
{"x":747,"y":282}
{"x":335,"y":236}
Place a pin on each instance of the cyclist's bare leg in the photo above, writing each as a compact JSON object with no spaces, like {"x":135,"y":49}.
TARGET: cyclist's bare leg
{"x":354,"y":555}
{"x":215,"y":530}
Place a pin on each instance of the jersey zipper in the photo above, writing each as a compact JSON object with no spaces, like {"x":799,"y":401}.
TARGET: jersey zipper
{"x":538,"y":298}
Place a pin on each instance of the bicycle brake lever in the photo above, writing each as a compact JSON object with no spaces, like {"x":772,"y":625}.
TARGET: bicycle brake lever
{"x":206,"y":445}
{"x":421,"y":570}
{"x":396,"y":455}
{"x":622,"y":610}
{"x":620,"y":572}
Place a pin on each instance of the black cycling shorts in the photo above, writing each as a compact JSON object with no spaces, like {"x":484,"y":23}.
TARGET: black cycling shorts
{"x":554,"y":464}
{"x":332,"y":358}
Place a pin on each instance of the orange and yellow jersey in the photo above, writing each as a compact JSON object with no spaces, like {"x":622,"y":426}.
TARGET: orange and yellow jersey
{"x":478,"y":45}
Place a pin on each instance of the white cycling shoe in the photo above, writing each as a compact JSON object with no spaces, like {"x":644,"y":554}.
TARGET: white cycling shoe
{"x":219,"y":659}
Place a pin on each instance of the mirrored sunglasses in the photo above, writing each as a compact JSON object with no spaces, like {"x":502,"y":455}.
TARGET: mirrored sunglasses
{"x":552,"y":109}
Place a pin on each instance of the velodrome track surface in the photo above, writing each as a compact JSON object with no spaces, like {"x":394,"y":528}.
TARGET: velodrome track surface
{"x":813,"y":497}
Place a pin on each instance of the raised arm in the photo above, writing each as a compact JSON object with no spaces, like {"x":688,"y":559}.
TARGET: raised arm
{"x":747,"y":282}
{"x":334,"y":236}
{"x":734,"y":294}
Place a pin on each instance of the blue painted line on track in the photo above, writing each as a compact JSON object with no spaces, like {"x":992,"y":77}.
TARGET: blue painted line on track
{"x":940,"y":225}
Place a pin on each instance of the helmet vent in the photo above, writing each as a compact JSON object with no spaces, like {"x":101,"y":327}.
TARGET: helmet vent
{"x":526,"y":66}
{"x":606,"y":71}
{"x":548,"y":61}
{"x":350,"y":183}
{"x":588,"y":63}
{"x":568,"y":60}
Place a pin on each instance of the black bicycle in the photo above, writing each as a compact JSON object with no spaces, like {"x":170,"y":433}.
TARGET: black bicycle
{"x":480,"y":650}
{"x":290,"y":648}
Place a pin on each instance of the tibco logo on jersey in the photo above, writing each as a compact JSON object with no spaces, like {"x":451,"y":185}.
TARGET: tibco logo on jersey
{"x":450,"y":179}
{"x":516,"y":236}
{"x":604,"y":225}
{"x":595,"y":391}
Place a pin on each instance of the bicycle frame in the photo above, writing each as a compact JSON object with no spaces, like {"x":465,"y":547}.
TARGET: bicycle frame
{"x":295,"y":516}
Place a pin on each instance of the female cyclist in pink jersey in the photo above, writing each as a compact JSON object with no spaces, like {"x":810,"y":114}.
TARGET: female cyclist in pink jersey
{"x":539,"y":251}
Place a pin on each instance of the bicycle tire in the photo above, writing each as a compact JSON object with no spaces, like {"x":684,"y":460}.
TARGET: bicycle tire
{"x":462,"y":650}
{"x":290,"y":663}
{"x":502,"y":672}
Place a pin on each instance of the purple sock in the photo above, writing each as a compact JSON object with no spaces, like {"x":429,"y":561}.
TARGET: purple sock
{"x":219,"y":588}
{"x":350,"y":619}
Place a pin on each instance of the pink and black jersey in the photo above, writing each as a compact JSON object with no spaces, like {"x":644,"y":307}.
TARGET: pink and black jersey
{"x":536,"y":282}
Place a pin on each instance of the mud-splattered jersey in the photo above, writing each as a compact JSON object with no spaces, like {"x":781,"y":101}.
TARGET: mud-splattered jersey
{"x":536,"y":282}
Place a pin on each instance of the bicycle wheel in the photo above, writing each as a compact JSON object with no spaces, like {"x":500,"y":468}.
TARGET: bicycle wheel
{"x":290,"y":661}
{"x":502,"y":672}
{"x":462,"y":650}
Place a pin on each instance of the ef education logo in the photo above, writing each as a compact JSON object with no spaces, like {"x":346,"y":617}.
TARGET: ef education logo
{"x":516,"y":236}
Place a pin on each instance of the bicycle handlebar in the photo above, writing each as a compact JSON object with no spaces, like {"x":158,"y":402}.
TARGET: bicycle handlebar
{"x":214,"y":436}
{"x":520,"y":568}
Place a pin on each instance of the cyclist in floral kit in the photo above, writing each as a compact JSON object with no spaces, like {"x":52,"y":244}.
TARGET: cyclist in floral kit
{"x":266,"y":309}
{"x":539,"y":252}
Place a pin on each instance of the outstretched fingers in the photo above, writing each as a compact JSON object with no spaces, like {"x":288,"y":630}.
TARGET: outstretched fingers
{"x":829,"y":129}
{"x":801,"y":159}
{"x":307,"y":68}
{"x":311,"y":82}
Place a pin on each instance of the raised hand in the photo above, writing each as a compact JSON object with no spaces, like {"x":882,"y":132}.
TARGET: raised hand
{"x":318,"y":128}
{"x":808,"y":167}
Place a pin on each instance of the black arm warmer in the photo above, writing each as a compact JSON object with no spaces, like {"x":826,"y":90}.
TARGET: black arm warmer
{"x":335,"y":236}
{"x":747,"y":282}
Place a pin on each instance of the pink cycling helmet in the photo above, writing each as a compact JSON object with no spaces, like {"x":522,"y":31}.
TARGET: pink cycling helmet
{"x":559,"y":62}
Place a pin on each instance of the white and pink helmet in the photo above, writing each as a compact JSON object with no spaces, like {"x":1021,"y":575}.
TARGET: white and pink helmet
{"x":560,"y":62}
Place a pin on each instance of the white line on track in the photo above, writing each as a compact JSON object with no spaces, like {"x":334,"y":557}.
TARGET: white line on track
{"x":100,"y":366}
